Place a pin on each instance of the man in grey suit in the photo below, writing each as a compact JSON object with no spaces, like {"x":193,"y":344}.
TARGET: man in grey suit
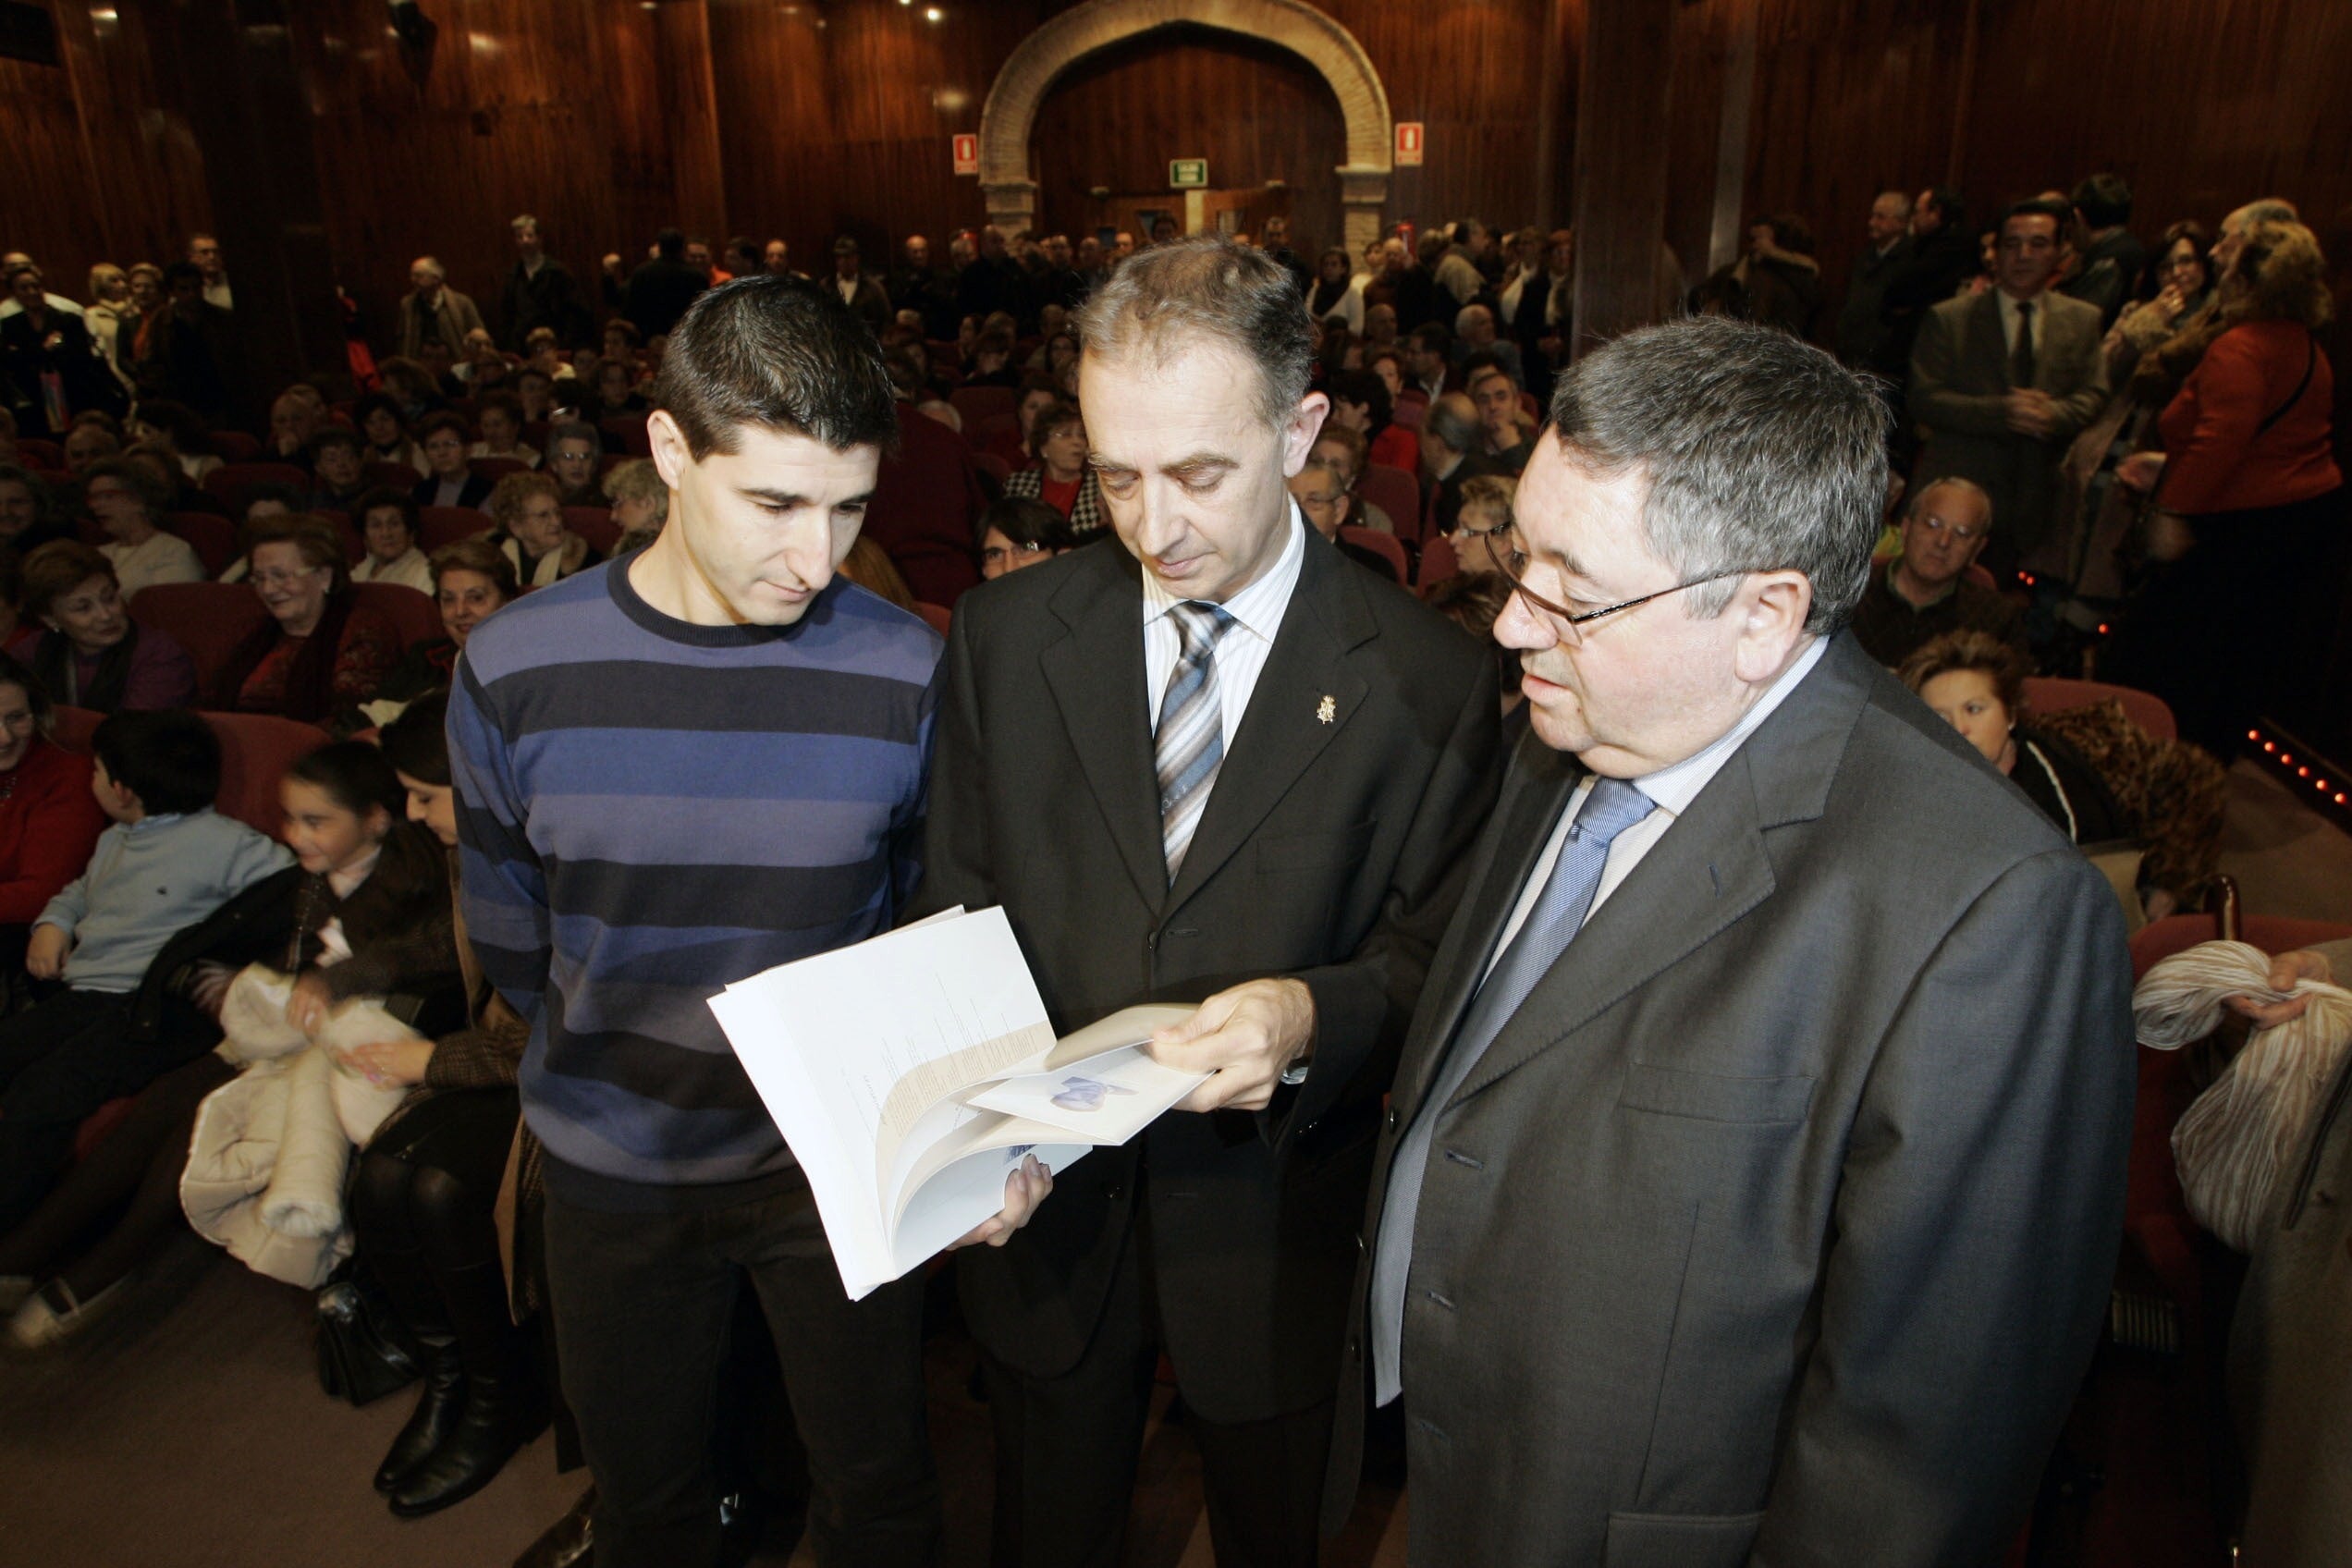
{"x":1751,"y":1186}
{"x":2006,"y":380}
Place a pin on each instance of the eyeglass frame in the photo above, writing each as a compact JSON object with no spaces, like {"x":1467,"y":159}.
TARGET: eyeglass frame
{"x":1573,"y":618}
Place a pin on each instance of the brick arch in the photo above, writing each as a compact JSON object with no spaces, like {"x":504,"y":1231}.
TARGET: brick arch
{"x":1011,"y":112}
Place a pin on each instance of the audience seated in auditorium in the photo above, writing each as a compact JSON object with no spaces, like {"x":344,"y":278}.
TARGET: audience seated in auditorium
{"x":1924,"y":592}
{"x":1428,"y":360}
{"x":387,"y":522}
{"x":1483,"y":522}
{"x":363,"y":882}
{"x":128,"y":506}
{"x":49,"y":820}
{"x":321,"y":652}
{"x":385,"y":428}
{"x":616,"y":393}
{"x":171,"y":481}
{"x":29,"y":515}
{"x":1062,"y":479}
{"x":449,"y":480}
{"x":531,"y":531}
{"x":1364,"y":402}
{"x":338,"y":476}
{"x":2241,"y":604}
{"x":1450,"y":436}
{"x":51,"y":366}
{"x":471,"y":580}
{"x":167,"y":861}
{"x":1475,"y":335}
{"x":1975,"y":682}
{"x":1018,"y":445}
{"x":86,"y":444}
{"x":294,"y":420}
{"x":498,"y":415}
{"x":1014,"y":532}
{"x":2005,"y":381}
{"x":1343,"y":449}
{"x":640,"y":502}
{"x":84,"y":645}
{"x":1509,"y":435}
{"x":1321,"y":494}
{"x":179,"y":431}
{"x":575,"y":450}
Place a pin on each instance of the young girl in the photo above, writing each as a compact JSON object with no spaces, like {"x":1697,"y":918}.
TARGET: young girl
{"x":364,"y":912}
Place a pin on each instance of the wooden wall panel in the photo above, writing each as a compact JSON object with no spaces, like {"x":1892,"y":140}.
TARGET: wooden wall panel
{"x":1255,"y":112}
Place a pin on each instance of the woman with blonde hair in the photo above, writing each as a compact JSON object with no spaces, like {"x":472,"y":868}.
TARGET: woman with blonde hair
{"x":528,"y":509}
{"x":111,"y":315}
{"x":639,"y":503}
{"x":2248,"y":489}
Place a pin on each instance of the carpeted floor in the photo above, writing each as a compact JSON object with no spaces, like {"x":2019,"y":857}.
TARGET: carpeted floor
{"x":187,"y":1430}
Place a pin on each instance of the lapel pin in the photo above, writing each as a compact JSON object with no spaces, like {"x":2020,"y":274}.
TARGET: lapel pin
{"x":1326,"y":709}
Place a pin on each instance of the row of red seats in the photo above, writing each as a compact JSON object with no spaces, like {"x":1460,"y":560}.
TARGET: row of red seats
{"x":214,"y":537}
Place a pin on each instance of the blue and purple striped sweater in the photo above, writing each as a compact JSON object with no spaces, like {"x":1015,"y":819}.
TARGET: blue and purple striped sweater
{"x":650,"y":810}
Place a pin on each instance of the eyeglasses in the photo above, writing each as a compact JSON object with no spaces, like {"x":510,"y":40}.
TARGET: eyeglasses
{"x":1502,"y":549}
{"x":1936,"y":525}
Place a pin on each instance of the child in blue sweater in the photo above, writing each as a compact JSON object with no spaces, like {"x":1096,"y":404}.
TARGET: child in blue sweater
{"x":168,"y":861}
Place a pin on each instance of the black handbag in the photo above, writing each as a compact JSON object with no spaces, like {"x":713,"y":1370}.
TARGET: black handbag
{"x":363,"y":1351}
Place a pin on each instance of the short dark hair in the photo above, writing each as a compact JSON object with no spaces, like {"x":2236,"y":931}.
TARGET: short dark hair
{"x":416,"y":744}
{"x":2104,"y":200}
{"x":57,"y":569}
{"x":1968,"y":649}
{"x":355,"y":776}
{"x":373,"y":403}
{"x":501,"y":399}
{"x":334,"y":436}
{"x":1024,"y":521}
{"x":447,"y":419}
{"x":1951,"y":208}
{"x":670,"y":243}
{"x":169,"y":757}
{"x":778,"y":352}
{"x":1364,"y":386}
{"x":476,"y":553}
{"x":385,"y":495}
{"x":183,"y":272}
{"x":1761,"y":453}
{"x":2038,"y":207}
{"x":268,"y":490}
{"x":135,"y":479}
{"x":1432,"y":337}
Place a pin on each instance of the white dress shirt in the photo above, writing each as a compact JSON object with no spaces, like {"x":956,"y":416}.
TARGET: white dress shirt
{"x":2009,"y":320}
{"x":1672,"y":788}
{"x":1257,"y":612}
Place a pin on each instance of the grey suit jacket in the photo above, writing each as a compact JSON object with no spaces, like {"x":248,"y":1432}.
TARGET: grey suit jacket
{"x":1777,"y":1224}
{"x":1959,"y":382}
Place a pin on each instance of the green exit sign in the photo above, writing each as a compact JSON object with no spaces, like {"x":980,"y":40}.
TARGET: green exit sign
{"x":1188,"y":174}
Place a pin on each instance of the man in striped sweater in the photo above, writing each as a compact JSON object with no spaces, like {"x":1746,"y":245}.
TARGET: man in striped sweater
{"x":675,"y":771}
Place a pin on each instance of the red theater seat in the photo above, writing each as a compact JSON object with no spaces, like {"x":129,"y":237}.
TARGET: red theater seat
{"x":1437,"y":563}
{"x":213,"y":536}
{"x":391,"y":476}
{"x":416,"y":616}
{"x":234,"y":446}
{"x":1396,"y":492}
{"x":229,"y":482}
{"x":255,"y":749}
{"x":1382,"y":544}
{"x":209,"y":620}
{"x":437,"y":526}
{"x":496,"y":468}
{"x":594,"y":524}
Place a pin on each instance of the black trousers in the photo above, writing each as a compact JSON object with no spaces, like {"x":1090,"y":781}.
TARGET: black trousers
{"x":60,"y":1060}
{"x":643,"y":1304}
{"x":1067,"y":1450}
{"x":2220,"y":632}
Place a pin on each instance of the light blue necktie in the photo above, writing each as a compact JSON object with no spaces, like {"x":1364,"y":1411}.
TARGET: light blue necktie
{"x":1610,"y":807}
{"x":1190,"y":746}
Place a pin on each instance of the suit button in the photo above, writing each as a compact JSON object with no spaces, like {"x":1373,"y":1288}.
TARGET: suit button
{"x":1391,"y":1123}
{"x":1114,"y":1191}
{"x":1360,"y":1247}
{"x":1356,"y":1350}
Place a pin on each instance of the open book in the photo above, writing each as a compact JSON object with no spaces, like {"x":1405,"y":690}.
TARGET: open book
{"x":912,"y":1073}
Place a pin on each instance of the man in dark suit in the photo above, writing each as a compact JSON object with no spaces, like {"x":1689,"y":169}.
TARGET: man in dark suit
{"x":863,"y":294}
{"x":1451,"y":437}
{"x":659,"y":292}
{"x":2005,"y":381}
{"x":1861,"y":322}
{"x":1751,"y":1186}
{"x":540,"y":291}
{"x":1219,"y":764}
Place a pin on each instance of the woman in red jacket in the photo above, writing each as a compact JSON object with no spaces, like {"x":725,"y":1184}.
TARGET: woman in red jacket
{"x":49,"y":820}
{"x":2247,"y":469}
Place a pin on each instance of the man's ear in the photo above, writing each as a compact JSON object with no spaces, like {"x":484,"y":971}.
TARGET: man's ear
{"x":1298,"y":437}
{"x":672,"y":457}
{"x":1772,"y":607}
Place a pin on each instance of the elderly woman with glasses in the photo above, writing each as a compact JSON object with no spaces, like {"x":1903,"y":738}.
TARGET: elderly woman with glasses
{"x":321,"y":652}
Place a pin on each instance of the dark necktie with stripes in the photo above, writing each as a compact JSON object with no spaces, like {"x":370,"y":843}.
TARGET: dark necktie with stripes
{"x":1191,"y":728}
{"x":2021,"y":358}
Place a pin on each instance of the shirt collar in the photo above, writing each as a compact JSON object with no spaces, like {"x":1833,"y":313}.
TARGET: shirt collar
{"x":1258,"y":607}
{"x":1675,"y":786}
{"x":346,"y":882}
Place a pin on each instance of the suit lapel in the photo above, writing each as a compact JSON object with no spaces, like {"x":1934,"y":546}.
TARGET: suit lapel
{"x":1985,"y":342}
{"x":1709,"y":871}
{"x":1097,"y":676}
{"x":1540,"y":781}
{"x":1284,"y":729}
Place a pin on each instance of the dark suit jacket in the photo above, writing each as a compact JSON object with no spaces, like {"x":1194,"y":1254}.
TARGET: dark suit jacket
{"x":473,"y":493}
{"x":1331,"y":852}
{"x":870,"y":304}
{"x":549,"y":298}
{"x":1449,"y":489}
{"x":1959,"y":384}
{"x":1781,"y":1217}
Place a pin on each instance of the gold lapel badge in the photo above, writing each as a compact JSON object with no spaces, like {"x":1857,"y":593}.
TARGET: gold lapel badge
{"x":1326,"y":709}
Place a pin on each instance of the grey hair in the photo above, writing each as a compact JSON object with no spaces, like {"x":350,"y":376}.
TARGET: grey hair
{"x":523,"y":221}
{"x":1902,"y":198}
{"x":2270,"y":209}
{"x":1446,"y":420}
{"x":1166,"y":299}
{"x":1947,"y":482}
{"x":1762,"y":454}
